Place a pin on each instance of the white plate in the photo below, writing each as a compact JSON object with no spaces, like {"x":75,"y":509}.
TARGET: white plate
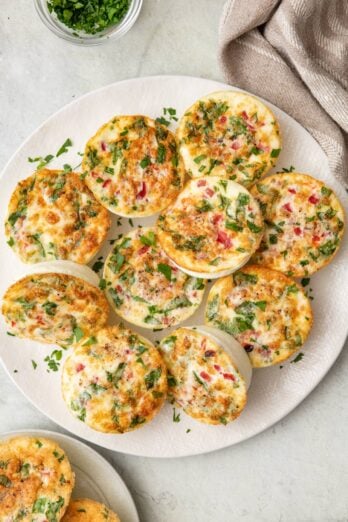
{"x":274,"y":392}
{"x":95,"y":478}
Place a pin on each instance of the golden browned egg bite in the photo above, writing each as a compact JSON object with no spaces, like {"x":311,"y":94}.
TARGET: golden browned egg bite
{"x":53,"y":215}
{"x":132,"y":166}
{"x":36,"y":480}
{"x":115,"y":381}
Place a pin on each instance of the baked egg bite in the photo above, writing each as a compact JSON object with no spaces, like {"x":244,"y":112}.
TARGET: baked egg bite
{"x":36,"y":480}
{"x":304,"y":223}
{"x":54,"y":308}
{"x":203,"y":376}
{"x":229,"y":134}
{"x":266,"y":311}
{"x":132,"y":166}
{"x":115,"y":381}
{"x":212,"y":228}
{"x":87,"y":510}
{"x":53,"y":215}
{"x":145,"y":287}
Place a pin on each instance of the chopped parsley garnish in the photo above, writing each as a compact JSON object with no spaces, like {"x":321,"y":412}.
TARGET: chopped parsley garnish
{"x":254,"y":228}
{"x":200,"y":158}
{"x":50,"y":308}
{"x":145,"y":162}
{"x":298,"y":358}
{"x":34,"y":364}
{"x":136,"y":420}
{"x":53,"y":359}
{"x":89,"y":17}
{"x":325,"y":191}
{"x":148,"y":240}
{"x":102,"y":284}
{"x":291,"y":289}
{"x":275,"y":153}
{"x":90,"y":341}
{"x":116,"y":376}
{"x":166,"y":270}
{"x":204,"y":206}
{"x":152,"y":377}
{"x":305,"y":281}
{"x":168,"y":112}
{"x":41,"y":161}
{"x":233,"y":225}
{"x":176,"y":416}
{"x":64,"y":148}
{"x":5,"y":481}
{"x":161,"y":153}
{"x":241,"y":277}
{"x":98,"y":265}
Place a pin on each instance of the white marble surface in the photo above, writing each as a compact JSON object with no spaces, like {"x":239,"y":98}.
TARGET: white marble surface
{"x":295,"y":471}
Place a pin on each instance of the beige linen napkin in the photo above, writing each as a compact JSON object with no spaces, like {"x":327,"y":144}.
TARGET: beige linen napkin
{"x":294,"y":53}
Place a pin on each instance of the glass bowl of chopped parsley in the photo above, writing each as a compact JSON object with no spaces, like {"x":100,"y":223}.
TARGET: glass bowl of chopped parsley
{"x":89,"y":22}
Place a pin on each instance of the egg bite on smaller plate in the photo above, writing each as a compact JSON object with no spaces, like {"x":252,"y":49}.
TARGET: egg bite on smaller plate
{"x":212,"y":228}
{"x":53,"y":215}
{"x":132,"y":166}
{"x":145,"y":287}
{"x":36,"y":480}
{"x":266,"y":311}
{"x":208,"y":373}
{"x":230,"y":134}
{"x":304,"y":223}
{"x":87,"y":510}
{"x":53,"y":307}
{"x":115,"y":381}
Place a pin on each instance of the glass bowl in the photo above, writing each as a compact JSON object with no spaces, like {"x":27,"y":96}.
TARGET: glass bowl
{"x":111,"y":33}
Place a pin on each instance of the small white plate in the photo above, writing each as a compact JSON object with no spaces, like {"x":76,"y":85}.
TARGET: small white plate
{"x":95,"y":478}
{"x":274,"y":391}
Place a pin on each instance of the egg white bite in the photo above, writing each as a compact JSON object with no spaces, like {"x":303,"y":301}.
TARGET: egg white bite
{"x":230,"y":134}
{"x":36,"y":480}
{"x":53,"y":215}
{"x":132,"y":166}
{"x":145,"y":287}
{"x":115,"y":381}
{"x":266,"y":311}
{"x":203,"y":376}
{"x":87,"y":510}
{"x":304,"y":223}
{"x":212,"y":228}
{"x":54,"y":307}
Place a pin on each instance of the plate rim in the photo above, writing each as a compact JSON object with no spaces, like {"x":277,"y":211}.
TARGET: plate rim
{"x":75,"y":441}
{"x":319,"y":377}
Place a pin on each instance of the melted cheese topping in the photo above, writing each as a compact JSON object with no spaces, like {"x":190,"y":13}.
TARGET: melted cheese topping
{"x":115,"y":381}
{"x":230,"y":134}
{"x":266,"y":311}
{"x":36,"y":480}
{"x":145,"y":287}
{"x":132,"y":166}
{"x":53,"y":215}
{"x":202,"y":377}
{"x":304,"y":223}
{"x":214,"y":226}
{"x":87,"y":510}
{"x":54,"y":308}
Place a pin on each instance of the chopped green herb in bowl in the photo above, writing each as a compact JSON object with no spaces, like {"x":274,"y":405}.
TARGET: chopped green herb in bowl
{"x":89,"y":16}
{"x":88,"y":22}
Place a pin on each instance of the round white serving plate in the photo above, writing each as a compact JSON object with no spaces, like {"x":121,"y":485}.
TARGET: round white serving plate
{"x":275,"y":391}
{"x":95,"y":478}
